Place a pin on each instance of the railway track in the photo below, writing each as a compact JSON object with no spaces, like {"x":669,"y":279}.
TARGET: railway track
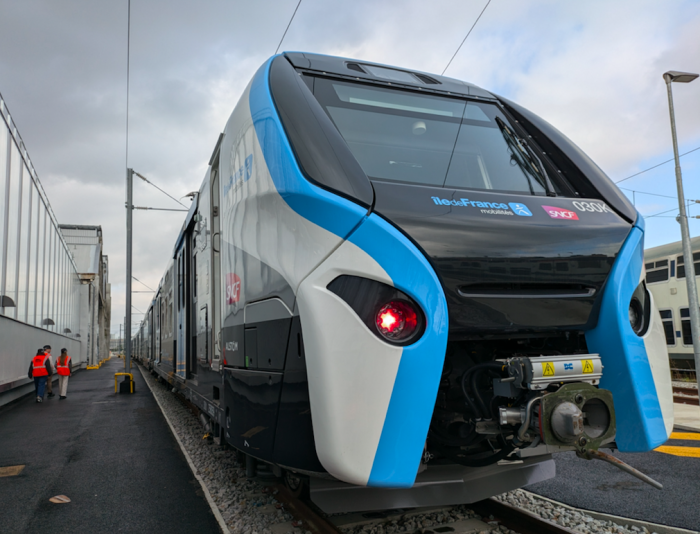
{"x":683,"y":395}
{"x":494,"y":514}
{"x":262,"y":504}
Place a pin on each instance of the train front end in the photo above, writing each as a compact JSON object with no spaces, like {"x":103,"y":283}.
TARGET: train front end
{"x":484,"y":304}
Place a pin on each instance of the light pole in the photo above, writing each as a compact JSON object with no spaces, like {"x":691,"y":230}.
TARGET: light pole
{"x":685,"y":77}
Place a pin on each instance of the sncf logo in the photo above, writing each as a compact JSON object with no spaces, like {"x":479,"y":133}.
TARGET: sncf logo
{"x":233,"y":288}
{"x":560,"y":213}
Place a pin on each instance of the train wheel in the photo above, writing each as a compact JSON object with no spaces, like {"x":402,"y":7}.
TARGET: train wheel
{"x":297,"y":484}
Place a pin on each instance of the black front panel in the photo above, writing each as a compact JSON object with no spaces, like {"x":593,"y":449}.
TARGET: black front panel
{"x":271,"y":343}
{"x":252,"y":399}
{"x":572,"y":162}
{"x":319,"y":148}
{"x":507,"y":262}
{"x":294,"y":440}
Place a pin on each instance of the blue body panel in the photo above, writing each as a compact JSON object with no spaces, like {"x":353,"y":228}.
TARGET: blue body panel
{"x":331,"y":212}
{"x":627,"y":372}
{"x":415,"y":389}
{"x":413,"y":397}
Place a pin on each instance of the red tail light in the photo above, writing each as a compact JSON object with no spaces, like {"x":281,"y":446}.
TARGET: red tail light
{"x":397,"y":320}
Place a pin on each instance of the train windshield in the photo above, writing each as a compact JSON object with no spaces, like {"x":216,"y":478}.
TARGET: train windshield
{"x":406,"y":137}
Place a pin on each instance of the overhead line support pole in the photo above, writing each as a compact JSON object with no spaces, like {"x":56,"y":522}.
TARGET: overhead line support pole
{"x":129,"y":213}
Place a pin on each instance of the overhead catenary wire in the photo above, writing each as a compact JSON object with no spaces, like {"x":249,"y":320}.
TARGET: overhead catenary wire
{"x":140,"y":282}
{"x":465,"y":38}
{"x":157,"y":209}
{"x":655,"y":166}
{"x":288,"y":25}
{"x":646,"y":193}
{"x":159,"y":189}
{"x":660,"y":213}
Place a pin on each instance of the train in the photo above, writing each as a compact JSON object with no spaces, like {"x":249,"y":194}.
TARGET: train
{"x":398,"y":289}
{"x":665,"y":277}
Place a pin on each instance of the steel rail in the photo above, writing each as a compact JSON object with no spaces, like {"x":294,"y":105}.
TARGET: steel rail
{"x":683,"y":395}
{"x":517,"y":519}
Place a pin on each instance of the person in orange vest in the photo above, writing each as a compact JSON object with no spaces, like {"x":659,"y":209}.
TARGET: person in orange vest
{"x":63,"y":368}
{"x":40,"y":370}
{"x":49,"y":382}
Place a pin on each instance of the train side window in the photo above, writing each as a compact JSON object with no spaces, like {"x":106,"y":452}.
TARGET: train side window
{"x":657,"y":272}
{"x":680,"y":271}
{"x":685,"y":326}
{"x":667,"y":321}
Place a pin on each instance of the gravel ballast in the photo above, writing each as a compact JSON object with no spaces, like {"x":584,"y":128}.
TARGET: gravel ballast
{"x":249,"y":507}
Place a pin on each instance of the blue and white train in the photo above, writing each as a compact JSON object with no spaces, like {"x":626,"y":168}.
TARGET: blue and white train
{"x":392,"y":279}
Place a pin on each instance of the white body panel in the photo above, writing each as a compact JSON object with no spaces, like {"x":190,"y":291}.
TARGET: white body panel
{"x":351,"y":371}
{"x":258,"y":220}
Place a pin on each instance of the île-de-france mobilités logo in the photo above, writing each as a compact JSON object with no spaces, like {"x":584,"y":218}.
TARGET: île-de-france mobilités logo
{"x":520,"y":209}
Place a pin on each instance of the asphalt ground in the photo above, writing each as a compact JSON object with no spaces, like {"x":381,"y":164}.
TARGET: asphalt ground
{"x":113,"y":455}
{"x":601,"y":487}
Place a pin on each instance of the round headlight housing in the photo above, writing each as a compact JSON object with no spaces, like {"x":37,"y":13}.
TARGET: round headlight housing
{"x":640,"y":310}
{"x":397,"y":320}
{"x":636,"y":316}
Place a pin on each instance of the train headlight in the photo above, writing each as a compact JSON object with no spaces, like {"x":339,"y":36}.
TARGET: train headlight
{"x":640,"y":310}
{"x":397,"y":320}
{"x":636,"y":315}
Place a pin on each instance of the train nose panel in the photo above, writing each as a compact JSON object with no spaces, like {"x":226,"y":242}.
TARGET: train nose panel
{"x":509,"y":262}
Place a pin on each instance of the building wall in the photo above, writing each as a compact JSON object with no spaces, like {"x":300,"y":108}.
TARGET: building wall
{"x":39,"y":283}
{"x":85,"y":242}
{"x":20,"y":342}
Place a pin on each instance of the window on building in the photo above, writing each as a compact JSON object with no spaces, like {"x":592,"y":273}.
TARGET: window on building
{"x":13,"y":228}
{"x":667,"y":321}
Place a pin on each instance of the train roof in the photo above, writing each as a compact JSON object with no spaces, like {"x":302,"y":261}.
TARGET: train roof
{"x":379,"y":73}
{"x":670,"y":249}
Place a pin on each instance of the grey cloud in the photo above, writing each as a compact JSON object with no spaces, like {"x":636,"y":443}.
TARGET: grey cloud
{"x":592,"y":69}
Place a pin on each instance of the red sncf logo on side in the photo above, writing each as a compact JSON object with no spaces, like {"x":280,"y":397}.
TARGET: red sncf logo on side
{"x":233,"y":288}
{"x":560,"y":213}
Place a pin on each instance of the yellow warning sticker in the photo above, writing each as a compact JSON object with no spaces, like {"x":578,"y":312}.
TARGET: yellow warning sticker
{"x":547,"y":369}
{"x":587,"y":366}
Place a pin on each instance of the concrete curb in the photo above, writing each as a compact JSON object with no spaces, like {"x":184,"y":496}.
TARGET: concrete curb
{"x":212,"y":504}
{"x":622,"y":521}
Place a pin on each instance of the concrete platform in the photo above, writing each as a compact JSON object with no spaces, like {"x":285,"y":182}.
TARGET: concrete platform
{"x":687,"y":417}
{"x":112,"y":455}
{"x":600,"y":487}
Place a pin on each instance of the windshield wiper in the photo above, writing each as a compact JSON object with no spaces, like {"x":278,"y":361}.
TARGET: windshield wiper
{"x":526,"y":159}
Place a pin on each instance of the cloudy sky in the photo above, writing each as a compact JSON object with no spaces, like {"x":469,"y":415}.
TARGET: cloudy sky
{"x":593,"y":69}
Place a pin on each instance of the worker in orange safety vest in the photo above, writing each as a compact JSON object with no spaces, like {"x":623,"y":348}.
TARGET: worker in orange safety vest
{"x":63,"y":368}
{"x":49,"y":382}
{"x":40,"y":370}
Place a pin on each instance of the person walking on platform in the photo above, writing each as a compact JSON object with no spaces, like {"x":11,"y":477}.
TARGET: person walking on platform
{"x":63,"y":368}
{"x":40,"y":370}
{"x":49,"y":385}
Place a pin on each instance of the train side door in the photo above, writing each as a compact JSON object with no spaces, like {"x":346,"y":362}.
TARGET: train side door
{"x":191,"y":302}
{"x":159,"y":322}
{"x":215,"y":311}
{"x":181,"y":309}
